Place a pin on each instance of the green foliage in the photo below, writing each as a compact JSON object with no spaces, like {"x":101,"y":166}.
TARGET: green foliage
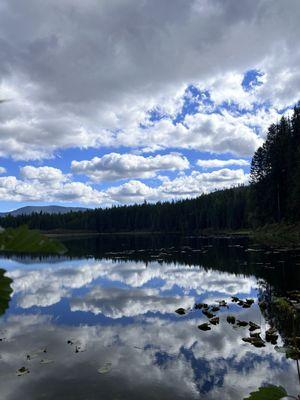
{"x":23,"y":240}
{"x":5,"y":291}
{"x":275,"y":173}
{"x":220,"y":210}
{"x":268,"y":393}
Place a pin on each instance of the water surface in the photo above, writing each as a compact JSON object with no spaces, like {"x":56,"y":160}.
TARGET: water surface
{"x":101,"y":322}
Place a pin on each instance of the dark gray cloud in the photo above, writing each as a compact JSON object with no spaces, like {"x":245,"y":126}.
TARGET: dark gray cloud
{"x":77,"y":71}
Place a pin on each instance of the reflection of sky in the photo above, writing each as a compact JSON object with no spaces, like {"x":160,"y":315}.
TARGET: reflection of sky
{"x":123,"y":313}
{"x":116,"y":289}
{"x":159,"y":358}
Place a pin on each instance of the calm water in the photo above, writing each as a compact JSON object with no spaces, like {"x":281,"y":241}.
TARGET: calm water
{"x":102,"y":323}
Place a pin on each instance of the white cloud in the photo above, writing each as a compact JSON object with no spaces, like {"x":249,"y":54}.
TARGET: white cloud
{"x":216,"y":163}
{"x":46,"y":286}
{"x":93,"y":86}
{"x":197,"y":183}
{"x":219,"y":133}
{"x":50,"y":184}
{"x":116,"y":166}
{"x":43,"y":175}
{"x":118,"y":302}
{"x":38,"y":186}
{"x":2,"y":170}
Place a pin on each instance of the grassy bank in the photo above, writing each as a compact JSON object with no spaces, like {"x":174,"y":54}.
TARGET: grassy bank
{"x":24,"y":240}
{"x":278,"y":234}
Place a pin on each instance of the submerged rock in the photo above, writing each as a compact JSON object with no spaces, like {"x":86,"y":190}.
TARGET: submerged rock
{"x":180,"y":311}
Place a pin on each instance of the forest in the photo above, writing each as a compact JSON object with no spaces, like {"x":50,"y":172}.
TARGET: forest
{"x":272,"y":196}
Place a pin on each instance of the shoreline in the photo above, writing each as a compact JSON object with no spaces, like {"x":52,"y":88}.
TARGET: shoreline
{"x":274,"y":234}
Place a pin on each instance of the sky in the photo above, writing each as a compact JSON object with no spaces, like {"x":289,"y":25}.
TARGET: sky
{"x":125,"y":101}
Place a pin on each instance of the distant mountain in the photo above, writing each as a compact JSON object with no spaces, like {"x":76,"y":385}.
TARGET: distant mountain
{"x":44,"y":209}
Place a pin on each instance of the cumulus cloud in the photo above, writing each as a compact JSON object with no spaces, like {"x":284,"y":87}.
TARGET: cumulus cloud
{"x":94,"y":86}
{"x":118,"y":302}
{"x":216,"y":163}
{"x":48,"y":285}
{"x":50,"y":184}
{"x":116,"y":166}
{"x":43,"y":175}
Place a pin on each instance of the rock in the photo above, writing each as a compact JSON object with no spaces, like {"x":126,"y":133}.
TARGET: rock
{"x":204,"y":327}
{"x":215,"y":308}
{"x":271,"y":331}
{"x":198,"y":306}
{"x":214,"y":320}
{"x":271,"y":335}
{"x":230,"y":319}
{"x":255,"y":341}
{"x":222,"y":303}
{"x":258,"y":343}
{"x":208,"y":314}
{"x":255,"y":335}
{"x":180,"y":311}
{"x":253,"y":326}
{"x":249,"y":301}
{"x":235,"y":299}
{"x":241,"y":323}
{"x":246,"y":305}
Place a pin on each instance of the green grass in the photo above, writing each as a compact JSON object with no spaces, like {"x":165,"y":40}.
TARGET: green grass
{"x":23,"y":240}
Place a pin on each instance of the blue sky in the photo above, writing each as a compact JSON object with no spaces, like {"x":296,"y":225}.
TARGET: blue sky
{"x":102,"y":110}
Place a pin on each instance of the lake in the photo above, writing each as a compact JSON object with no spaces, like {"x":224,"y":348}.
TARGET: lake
{"x":100,"y":322}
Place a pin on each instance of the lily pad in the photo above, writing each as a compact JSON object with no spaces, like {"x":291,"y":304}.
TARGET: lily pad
{"x":268,"y":393}
{"x":22,"y":371}
{"x":105,"y":368}
{"x":46,"y":361}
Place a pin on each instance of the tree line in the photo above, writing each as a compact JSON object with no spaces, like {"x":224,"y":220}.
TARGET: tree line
{"x":273,"y":195}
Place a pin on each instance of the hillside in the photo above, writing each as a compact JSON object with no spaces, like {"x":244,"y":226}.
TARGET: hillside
{"x":42,"y":209}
